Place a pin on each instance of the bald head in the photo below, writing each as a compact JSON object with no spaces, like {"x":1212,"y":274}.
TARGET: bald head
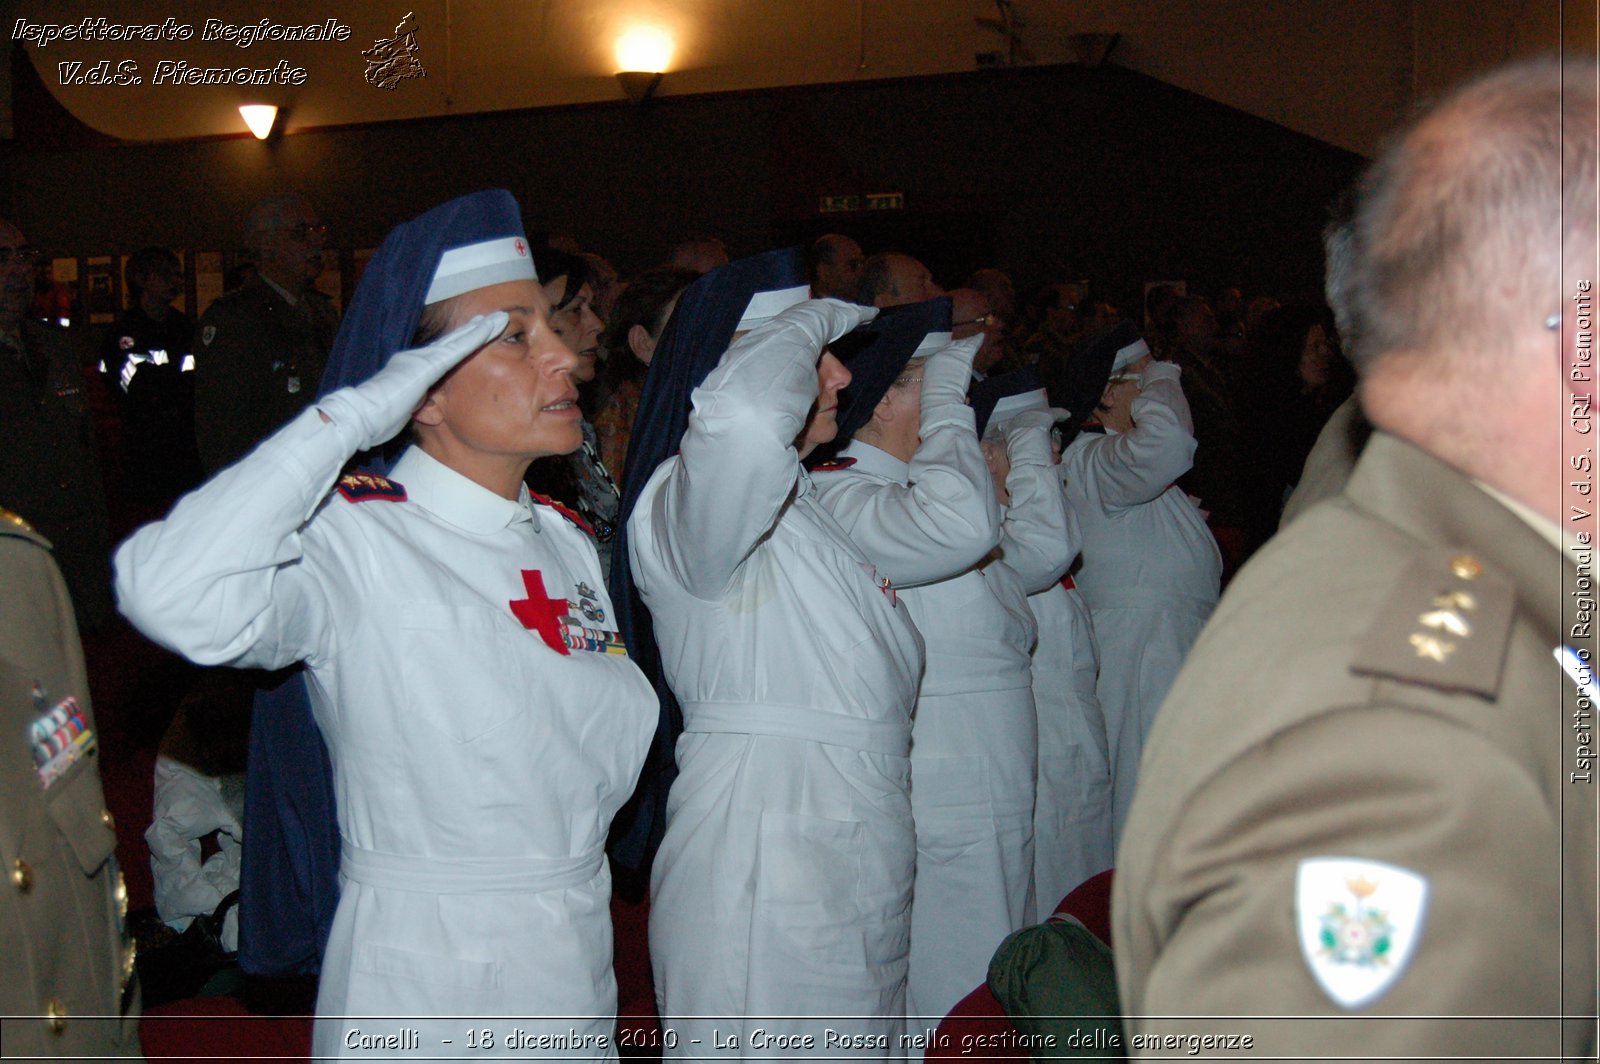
{"x":286,"y":238}
{"x":836,"y":263}
{"x":1461,"y":234}
{"x":1458,"y":234}
{"x":891,"y":279}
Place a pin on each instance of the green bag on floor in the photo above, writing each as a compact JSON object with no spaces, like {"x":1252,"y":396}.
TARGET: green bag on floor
{"x":1057,"y":984}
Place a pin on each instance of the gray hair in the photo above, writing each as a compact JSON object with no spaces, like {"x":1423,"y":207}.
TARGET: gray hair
{"x":1458,"y":233}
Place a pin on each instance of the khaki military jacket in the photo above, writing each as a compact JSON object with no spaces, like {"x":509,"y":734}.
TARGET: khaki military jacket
{"x":258,"y":362}
{"x":1368,"y":804}
{"x":65,"y":962}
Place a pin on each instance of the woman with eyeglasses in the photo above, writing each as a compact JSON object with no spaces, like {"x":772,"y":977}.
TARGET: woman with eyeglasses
{"x":482,"y":717}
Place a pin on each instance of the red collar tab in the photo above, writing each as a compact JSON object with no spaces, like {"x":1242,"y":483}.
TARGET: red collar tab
{"x":833,"y":465}
{"x":561,"y":509}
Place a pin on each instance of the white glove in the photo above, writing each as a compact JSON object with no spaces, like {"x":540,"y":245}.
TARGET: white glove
{"x":1031,"y":419}
{"x":946,"y":376}
{"x":372,"y":412}
{"x":1027,"y":435}
{"x":818,"y":321}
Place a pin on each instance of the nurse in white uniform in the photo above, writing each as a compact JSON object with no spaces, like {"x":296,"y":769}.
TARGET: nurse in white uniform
{"x":780,"y":896}
{"x":1151,"y":569}
{"x":483,"y":719}
{"x":1072,"y":804}
{"x":974,"y":742}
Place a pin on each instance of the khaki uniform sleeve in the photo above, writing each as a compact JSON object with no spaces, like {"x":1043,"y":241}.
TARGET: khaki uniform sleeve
{"x":1377,"y":783}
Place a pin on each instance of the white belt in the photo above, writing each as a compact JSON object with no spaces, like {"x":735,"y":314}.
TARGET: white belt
{"x":800,"y":722}
{"x":1111,"y":598}
{"x":468,"y":875}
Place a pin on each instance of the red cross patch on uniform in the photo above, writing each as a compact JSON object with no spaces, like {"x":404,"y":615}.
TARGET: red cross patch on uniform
{"x":540,"y":612}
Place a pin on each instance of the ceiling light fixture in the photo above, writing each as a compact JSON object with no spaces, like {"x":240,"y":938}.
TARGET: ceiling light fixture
{"x":259,"y":117}
{"x":642,"y":56}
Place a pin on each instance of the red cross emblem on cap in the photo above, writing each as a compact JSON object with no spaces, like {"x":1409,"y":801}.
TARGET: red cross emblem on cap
{"x":540,"y":612}
{"x":522,"y":249}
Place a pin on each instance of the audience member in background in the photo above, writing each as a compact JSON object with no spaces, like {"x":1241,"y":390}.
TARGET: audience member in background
{"x":834,"y":263}
{"x":605,"y":282}
{"x":1158,"y":304}
{"x":890,"y":279}
{"x":629,"y":342}
{"x":49,"y":466}
{"x":1218,"y":471}
{"x":1340,"y":443}
{"x":579,"y":481}
{"x":1302,"y":378}
{"x":996,"y":284}
{"x":702,"y":254}
{"x":1058,"y":328}
{"x":263,"y":347}
{"x":1151,"y":569}
{"x":1254,"y":311}
{"x":238,"y":276}
{"x":1229,"y":306}
{"x":146,"y":364}
{"x":973,"y":316}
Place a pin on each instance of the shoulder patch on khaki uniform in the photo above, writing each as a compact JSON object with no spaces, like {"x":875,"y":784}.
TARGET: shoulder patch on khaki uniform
{"x":1445,"y":625}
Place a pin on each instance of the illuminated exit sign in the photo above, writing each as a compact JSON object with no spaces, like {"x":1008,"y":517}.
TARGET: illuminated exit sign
{"x":872,"y":201}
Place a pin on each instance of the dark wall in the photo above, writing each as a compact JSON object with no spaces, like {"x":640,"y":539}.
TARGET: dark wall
{"x":1055,"y":173}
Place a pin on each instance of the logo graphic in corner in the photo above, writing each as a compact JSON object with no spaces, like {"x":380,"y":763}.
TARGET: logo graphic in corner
{"x":1359,"y":922}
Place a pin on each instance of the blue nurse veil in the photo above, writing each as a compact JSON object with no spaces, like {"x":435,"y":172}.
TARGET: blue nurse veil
{"x":289,"y":875}
{"x":693,"y":342}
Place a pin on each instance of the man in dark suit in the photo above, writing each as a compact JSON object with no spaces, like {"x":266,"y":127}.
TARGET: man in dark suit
{"x":49,"y":468}
{"x":263,"y":346}
{"x":1368,"y":805}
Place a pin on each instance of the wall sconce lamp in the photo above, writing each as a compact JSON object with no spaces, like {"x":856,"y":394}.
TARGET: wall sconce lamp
{"x":260,"y":118}
{"x":642,"y":55}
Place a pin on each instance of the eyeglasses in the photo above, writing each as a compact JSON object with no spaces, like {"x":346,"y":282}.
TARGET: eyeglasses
{"x":982,"y":319}
{"x":22,"y":253}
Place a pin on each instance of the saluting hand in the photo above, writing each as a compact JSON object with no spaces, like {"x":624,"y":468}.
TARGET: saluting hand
{"x":372,"y":412}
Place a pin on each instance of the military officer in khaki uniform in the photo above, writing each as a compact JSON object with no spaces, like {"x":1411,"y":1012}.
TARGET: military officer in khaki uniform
{"x":1368,"y":805}
{"x":66,"y":962}
{"x":262,"y":348}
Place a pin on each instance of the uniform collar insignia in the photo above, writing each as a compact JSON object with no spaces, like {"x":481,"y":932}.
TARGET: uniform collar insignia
{"x":361,"y":486}
{"x":1359,"y":923}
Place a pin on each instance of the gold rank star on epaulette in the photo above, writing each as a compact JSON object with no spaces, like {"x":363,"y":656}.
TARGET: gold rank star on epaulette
{"x":1445,"y":625}
{"x":362,"y":487}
